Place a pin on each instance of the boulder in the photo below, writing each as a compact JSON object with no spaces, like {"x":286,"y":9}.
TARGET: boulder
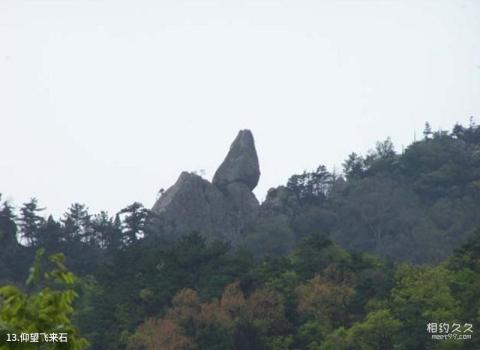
{"x":241,"y":163}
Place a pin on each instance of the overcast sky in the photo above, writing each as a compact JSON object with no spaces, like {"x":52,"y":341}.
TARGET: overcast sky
{"x":106,"y":102}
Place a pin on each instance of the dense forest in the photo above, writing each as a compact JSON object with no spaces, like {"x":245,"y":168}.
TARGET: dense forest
{"x":370,"y":258}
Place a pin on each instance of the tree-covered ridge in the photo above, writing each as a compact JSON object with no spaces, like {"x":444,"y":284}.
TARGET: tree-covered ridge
{"x":326,"y":266}
{"x":416,"y":206}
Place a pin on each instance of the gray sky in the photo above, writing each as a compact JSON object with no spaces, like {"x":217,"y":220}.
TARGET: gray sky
{"x":106,"y":102}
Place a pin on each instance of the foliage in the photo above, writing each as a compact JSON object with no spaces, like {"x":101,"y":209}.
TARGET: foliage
{"x":415,"y":206}
{"x":47,"y":310}
{"x":30,"y":222}
{"x":230,"y":322}
{"x":328,"y":265}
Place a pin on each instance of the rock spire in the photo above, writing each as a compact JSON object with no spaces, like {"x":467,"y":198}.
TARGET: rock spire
{"x":221,"y":209}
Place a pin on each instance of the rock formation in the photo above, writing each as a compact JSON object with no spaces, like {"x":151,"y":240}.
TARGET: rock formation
{"x":279,"y":201}
{"x":241,"y":163}
{"x":222,"y":209}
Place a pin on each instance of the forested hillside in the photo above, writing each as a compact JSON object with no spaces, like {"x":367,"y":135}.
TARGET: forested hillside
{"x":366,"y":259}
{"x":415,"y":206}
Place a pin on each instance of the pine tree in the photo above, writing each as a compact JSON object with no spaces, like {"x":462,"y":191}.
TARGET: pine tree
{"x":427,"y":131}
{"x":30,"y":222}
{"x":8,"y":228}
{"x":77,"y":223}
{"x":107,"y":230}
{"x":134,"y":222}
{"x":354,"y":166}
{"x":51,"y":235}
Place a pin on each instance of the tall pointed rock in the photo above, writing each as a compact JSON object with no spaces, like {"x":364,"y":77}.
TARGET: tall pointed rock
{"x":223,"y":209}
{"x":241,"y":163}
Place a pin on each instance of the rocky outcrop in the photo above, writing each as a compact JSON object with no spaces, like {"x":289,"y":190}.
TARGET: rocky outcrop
{"x":222,"y":209}
{"x":192,"y":204}
{"x":279,"y":201}
{"x":241,"y":163}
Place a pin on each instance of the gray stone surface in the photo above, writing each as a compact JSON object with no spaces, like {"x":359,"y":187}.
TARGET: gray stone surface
{"x":242,"y":204}
{"x":192,"y":204}
{"x":279,"y":201}
{"x":222,"y":209}
{"x":241,"y":163}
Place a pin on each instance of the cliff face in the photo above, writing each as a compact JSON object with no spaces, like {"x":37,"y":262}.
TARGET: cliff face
{"x":221,"y":209}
